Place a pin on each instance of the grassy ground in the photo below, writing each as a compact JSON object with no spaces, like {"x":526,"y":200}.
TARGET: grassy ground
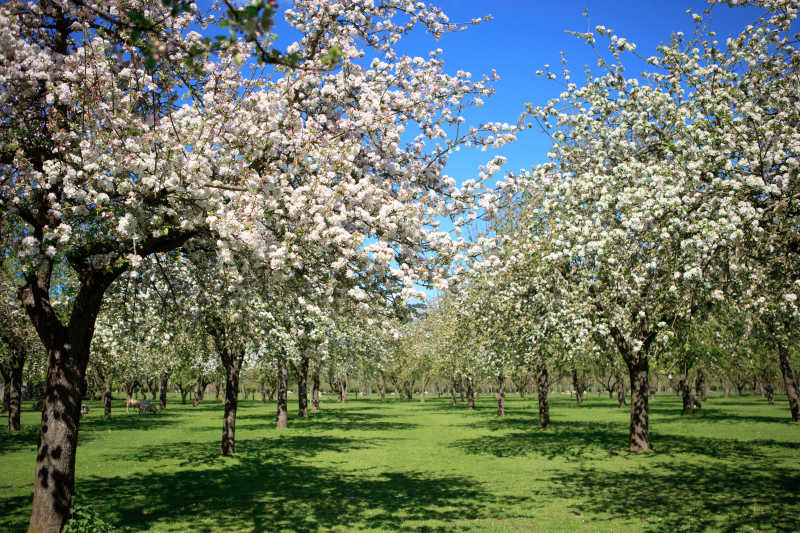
{"x":367,"y":465}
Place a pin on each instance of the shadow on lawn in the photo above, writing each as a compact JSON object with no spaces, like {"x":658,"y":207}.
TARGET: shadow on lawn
{"x":264,"y":489}
{"x":25,"y":438}
{"x":687,"y":497}
{"x":327,"y":420}
{"x":599,"y":439}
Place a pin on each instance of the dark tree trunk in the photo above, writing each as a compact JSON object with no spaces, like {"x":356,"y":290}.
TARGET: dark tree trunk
{"x":686,"y":394}
{"x":164,"y":382}
{"x":740,"y":388}
{"x":107,"y":396}
{"x":6,"y":379}
{"x":14,"y":387}
{"x":461,"y":389}
{"x":153,"y":386}
{"x":263,"y":384}
{"x":302,"y":388}
{"x":282,"y":417}
{"x":578,"y":386}
{"x":639,"y":426}
{"x":232,"y":361}
{"x":199,"y":391}
{"x":184,"y":392}
{"x":67,"y":350}
{"x":542,"y":386}
{"x":315,"y":386}
{"x":453,"y":392}
{"x":470,"y":394}
{"x":789,"y":382}
{"x":501,"y":395}
{"x":620,"y":386}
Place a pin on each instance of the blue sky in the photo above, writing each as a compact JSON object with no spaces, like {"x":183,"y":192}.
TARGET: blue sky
{"x":524,"y":35}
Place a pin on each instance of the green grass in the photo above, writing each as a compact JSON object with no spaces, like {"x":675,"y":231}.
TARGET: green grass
{"x":372,"y":466}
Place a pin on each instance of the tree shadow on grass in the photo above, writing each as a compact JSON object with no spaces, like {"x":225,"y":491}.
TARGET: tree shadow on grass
{"x":686,"y":497}
{"x":25,"y":438}
{"x":599,"y":440}
{"x":280,"y":449}
{"x":15,"y":512}
{"x":339,"y":419}
{"x":264,"y":493}
{"x":128,"y":421}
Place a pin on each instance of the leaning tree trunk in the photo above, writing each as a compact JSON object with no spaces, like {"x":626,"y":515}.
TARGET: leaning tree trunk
{"x":164,"y":382}
{"x":315,"y":387}
{"x":302,"y":388}
{"x":107,"y":396}
{"x":232,"y":362}
{"x":789,"y":381}
{"x":470,"y":394}
{"x":639,"y":439}
{"x":501,"y":394}
{"x":542,"y":386}
{"x":453,"y":392}
{"x":282,"y":417}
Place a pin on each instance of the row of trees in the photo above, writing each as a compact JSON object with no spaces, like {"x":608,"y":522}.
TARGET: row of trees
{"x":176,"y":206}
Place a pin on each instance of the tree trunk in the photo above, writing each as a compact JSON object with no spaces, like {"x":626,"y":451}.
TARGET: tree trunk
{"x":107,"y":396}
{"x":470,"y":394}
{"x":14,"y":387}
{"x":282,"y":417}
{"x":232,"y":361}
{"x":199,"y":388}
{"x":700,"y":385}
{"x":453,"y":392}
{"x":639,"y":427}
{"x":6,"y":379}
{"x":67,"y":350}
{"x":263,"y":384}
{"x":302,"y":388}
{"x":164,"y":381}
{"x":315,"y":386}
{"x":501,"y":394}
{"x":686,"y":394}
{"x":620,"y":386}
{"x":577,"y":385}
{"x":770,"y":390}
{"x":789,"y":381}
{"x":422,"y":386}
{"x":542,"y":386}
{"x":726,"y":392}
{"x":382,"y":387}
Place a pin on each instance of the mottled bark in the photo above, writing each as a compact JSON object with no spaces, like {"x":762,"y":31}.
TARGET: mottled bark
{"x":282,"y":416}
{"x":14,"y":387}
{"x":789,"y":382}
{"x":543,"y":386}
{"x":501,"y":395}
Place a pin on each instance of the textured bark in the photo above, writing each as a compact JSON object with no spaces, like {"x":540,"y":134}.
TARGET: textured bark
{"x":501,"y":395}
{"x":282,"y":417}
{"x":789,"y":382}
{"x":199,"y":390}
{"x":302,"y":388}
{"x":163,"y":383}
{"x":470,"y":394}
{"x":67,"y":350}
{"x":232,"y":362}
{"x":639,"y":426}
{"x":542,"y":386}
{"x":107,"y":396}
{"x":14,"y":388}
{"x":382,"y":387}
{"x":701,"y":386}
{"x":453,"y":392}
{"x":315,"y":387}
